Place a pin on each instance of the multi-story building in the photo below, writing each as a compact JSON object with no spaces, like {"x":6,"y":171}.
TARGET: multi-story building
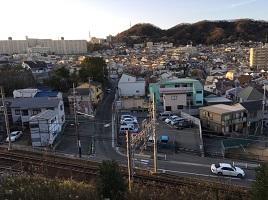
{"x":44,"y":128}
{"x":177,"y":94}
{"x":41,"y":46}
{"x":224,"y":119}
{"x":259,"y":57}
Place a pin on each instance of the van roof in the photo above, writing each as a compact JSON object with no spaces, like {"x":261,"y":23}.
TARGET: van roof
{"x":164,"y":137}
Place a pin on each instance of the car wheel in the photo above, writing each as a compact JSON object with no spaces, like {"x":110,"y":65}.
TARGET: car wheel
{"x":239,"y":175}
{"x":220,"y":173}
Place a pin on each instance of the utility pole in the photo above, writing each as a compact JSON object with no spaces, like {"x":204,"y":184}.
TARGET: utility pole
{"x":263,"y":106}
{"x":76,"y":124}
{"x":155,"y":138}
{"x":130,"y":166}
{"x":6,"y":117}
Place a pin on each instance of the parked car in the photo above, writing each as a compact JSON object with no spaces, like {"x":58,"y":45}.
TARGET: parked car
{"x":176,"y":120}
{"x":108,"y":90}
{"x":183,"y":124}
{"x":131,"y":128}
{"x":14,"y":135}
{"x":169,"y":119}
{"x":164,"y":142}
{"x":164,"y":115}
{"x":128,"y":121}
{"x":227,"y":169}
{"x":128,"y":116}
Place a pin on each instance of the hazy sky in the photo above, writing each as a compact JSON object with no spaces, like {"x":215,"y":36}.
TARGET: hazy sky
{"x":74,"y":19}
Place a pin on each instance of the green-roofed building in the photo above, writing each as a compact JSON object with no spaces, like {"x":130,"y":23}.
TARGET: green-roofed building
{"x":177,"y":94}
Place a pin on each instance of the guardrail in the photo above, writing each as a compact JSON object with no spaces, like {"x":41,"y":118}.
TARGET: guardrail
{"x":246,"y":165}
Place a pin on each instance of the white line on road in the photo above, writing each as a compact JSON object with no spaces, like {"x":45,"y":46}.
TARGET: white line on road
{"x":190,"y":163}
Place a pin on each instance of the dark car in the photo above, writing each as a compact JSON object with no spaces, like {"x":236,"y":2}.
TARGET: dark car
{"x":108,"y":91}
{"x":184,"y":124}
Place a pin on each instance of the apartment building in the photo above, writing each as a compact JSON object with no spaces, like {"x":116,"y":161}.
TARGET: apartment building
{"x":177,"y":94}
{"x":224,"y":119}
{"x":259,"y":57}
{"x":30,"y":46}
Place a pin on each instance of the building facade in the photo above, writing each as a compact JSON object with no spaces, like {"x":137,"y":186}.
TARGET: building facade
{"x":41,"y":46}
{"x":177,"y":94}
{"x":259,"y":57}
{"x":224,"y":119}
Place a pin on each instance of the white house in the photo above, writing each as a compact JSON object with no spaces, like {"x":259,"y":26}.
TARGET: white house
{"x":131,"y":86}
{"x":44,"y":128}
{"x":22,"y":109}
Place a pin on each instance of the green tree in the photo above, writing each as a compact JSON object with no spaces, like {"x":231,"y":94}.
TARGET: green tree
{"x":260,"y":186}
{"x":15,"y":77}
{"x":94,"y":68}
{"x":60,"y":79}
{"x":110,"y":182}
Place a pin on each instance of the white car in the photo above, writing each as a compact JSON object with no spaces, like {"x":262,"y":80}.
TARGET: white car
{"x":128,"y":121}
{"x":169,"y":119}
{"x":127,"y":116}
{"x":227,"y":169}
{"x":14,"y":136}
{"x":176,"y":120}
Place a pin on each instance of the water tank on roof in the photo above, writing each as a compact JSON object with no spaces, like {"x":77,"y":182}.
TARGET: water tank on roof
{"x":62,"y":38}
{"x":9,"y":38}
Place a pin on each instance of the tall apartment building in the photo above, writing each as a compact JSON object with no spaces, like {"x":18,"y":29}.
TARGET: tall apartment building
{"x":259,"y":57}
{"x":48,"y":46}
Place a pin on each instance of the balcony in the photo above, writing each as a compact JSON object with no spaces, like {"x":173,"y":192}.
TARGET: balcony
{"x":175,"y":90}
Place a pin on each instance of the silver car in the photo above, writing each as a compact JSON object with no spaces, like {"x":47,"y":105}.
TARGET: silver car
{"x":227,"y":169}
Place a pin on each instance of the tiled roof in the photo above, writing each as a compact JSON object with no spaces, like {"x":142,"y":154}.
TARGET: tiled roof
{"x":40,"y":102}
{"x":250,"y":94}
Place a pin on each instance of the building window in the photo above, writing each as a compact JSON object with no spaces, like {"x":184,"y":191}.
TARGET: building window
{"x":53,"y":120}
{"x":189,"y":94}
{"x":198,"y":102}
{"x":210,"y":115}
{"x":61,"y":107}
{"x":162,"y":86}
{"x":199,"y":92}
{"x":177,"y":85}
{"x":204,"y":113}
{"x":168,"y":108}
{"x":34,"y":125}
{"x":24,"y":112}
{"x":137,"y":91}
{"x":173,"y":97}
{"x":53,"y":108}
{"x":179,"y":107}
{"x":17,"y":112}
{"x":35,"y":112}
{"x":184,"y":85}
{"x":62,"y":118}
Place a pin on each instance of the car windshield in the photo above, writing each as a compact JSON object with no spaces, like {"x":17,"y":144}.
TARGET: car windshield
{"x":13,"y":134}
{"x":217,"y":165}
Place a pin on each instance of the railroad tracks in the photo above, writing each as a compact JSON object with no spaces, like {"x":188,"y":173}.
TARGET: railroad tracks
{"x":53,"y":166}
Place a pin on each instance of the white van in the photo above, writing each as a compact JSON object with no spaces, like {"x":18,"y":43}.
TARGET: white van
{"x":130,"y":127}
{"x":164,"y":115}
{"x":150,"y":142}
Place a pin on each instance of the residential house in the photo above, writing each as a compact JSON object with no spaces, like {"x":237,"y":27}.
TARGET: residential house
{"x":39,"y":69}
{"x":22,"y":109}
{"x":35,"y":92}
{"x":97,"y":90}
{"x":131,"y":91}
{"x":249,"y":94}
{"x":177,"y":94}
{"x":84,"y":98}
{"x":44,"y":128}
{"x":256,"y":111}
{"x":224,"y":119}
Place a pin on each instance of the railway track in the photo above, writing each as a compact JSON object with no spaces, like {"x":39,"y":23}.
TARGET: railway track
{"x":53,"y":166}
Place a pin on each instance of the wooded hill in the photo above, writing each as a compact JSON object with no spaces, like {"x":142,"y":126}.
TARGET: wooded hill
{"x":203,"y":32}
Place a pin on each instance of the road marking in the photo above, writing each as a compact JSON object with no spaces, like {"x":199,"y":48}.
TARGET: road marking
{"x":189,"y":163}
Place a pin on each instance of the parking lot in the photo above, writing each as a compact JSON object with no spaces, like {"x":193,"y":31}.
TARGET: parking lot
{"x":183,"y":139}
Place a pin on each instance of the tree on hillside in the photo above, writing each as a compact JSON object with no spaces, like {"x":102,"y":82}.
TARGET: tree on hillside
{"x":260,"y":186}
{"x":110,"y":182}
{"x":94,"y":68}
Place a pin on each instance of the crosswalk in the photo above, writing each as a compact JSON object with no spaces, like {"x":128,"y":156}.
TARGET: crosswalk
{"x":140,"y":163}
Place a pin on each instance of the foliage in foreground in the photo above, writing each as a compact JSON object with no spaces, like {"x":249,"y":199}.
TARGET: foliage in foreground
{"x":32,"y":188}
{"x":260,"y":185}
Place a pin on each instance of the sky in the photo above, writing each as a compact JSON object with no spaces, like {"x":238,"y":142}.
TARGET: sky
{"x":80,"y":19}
